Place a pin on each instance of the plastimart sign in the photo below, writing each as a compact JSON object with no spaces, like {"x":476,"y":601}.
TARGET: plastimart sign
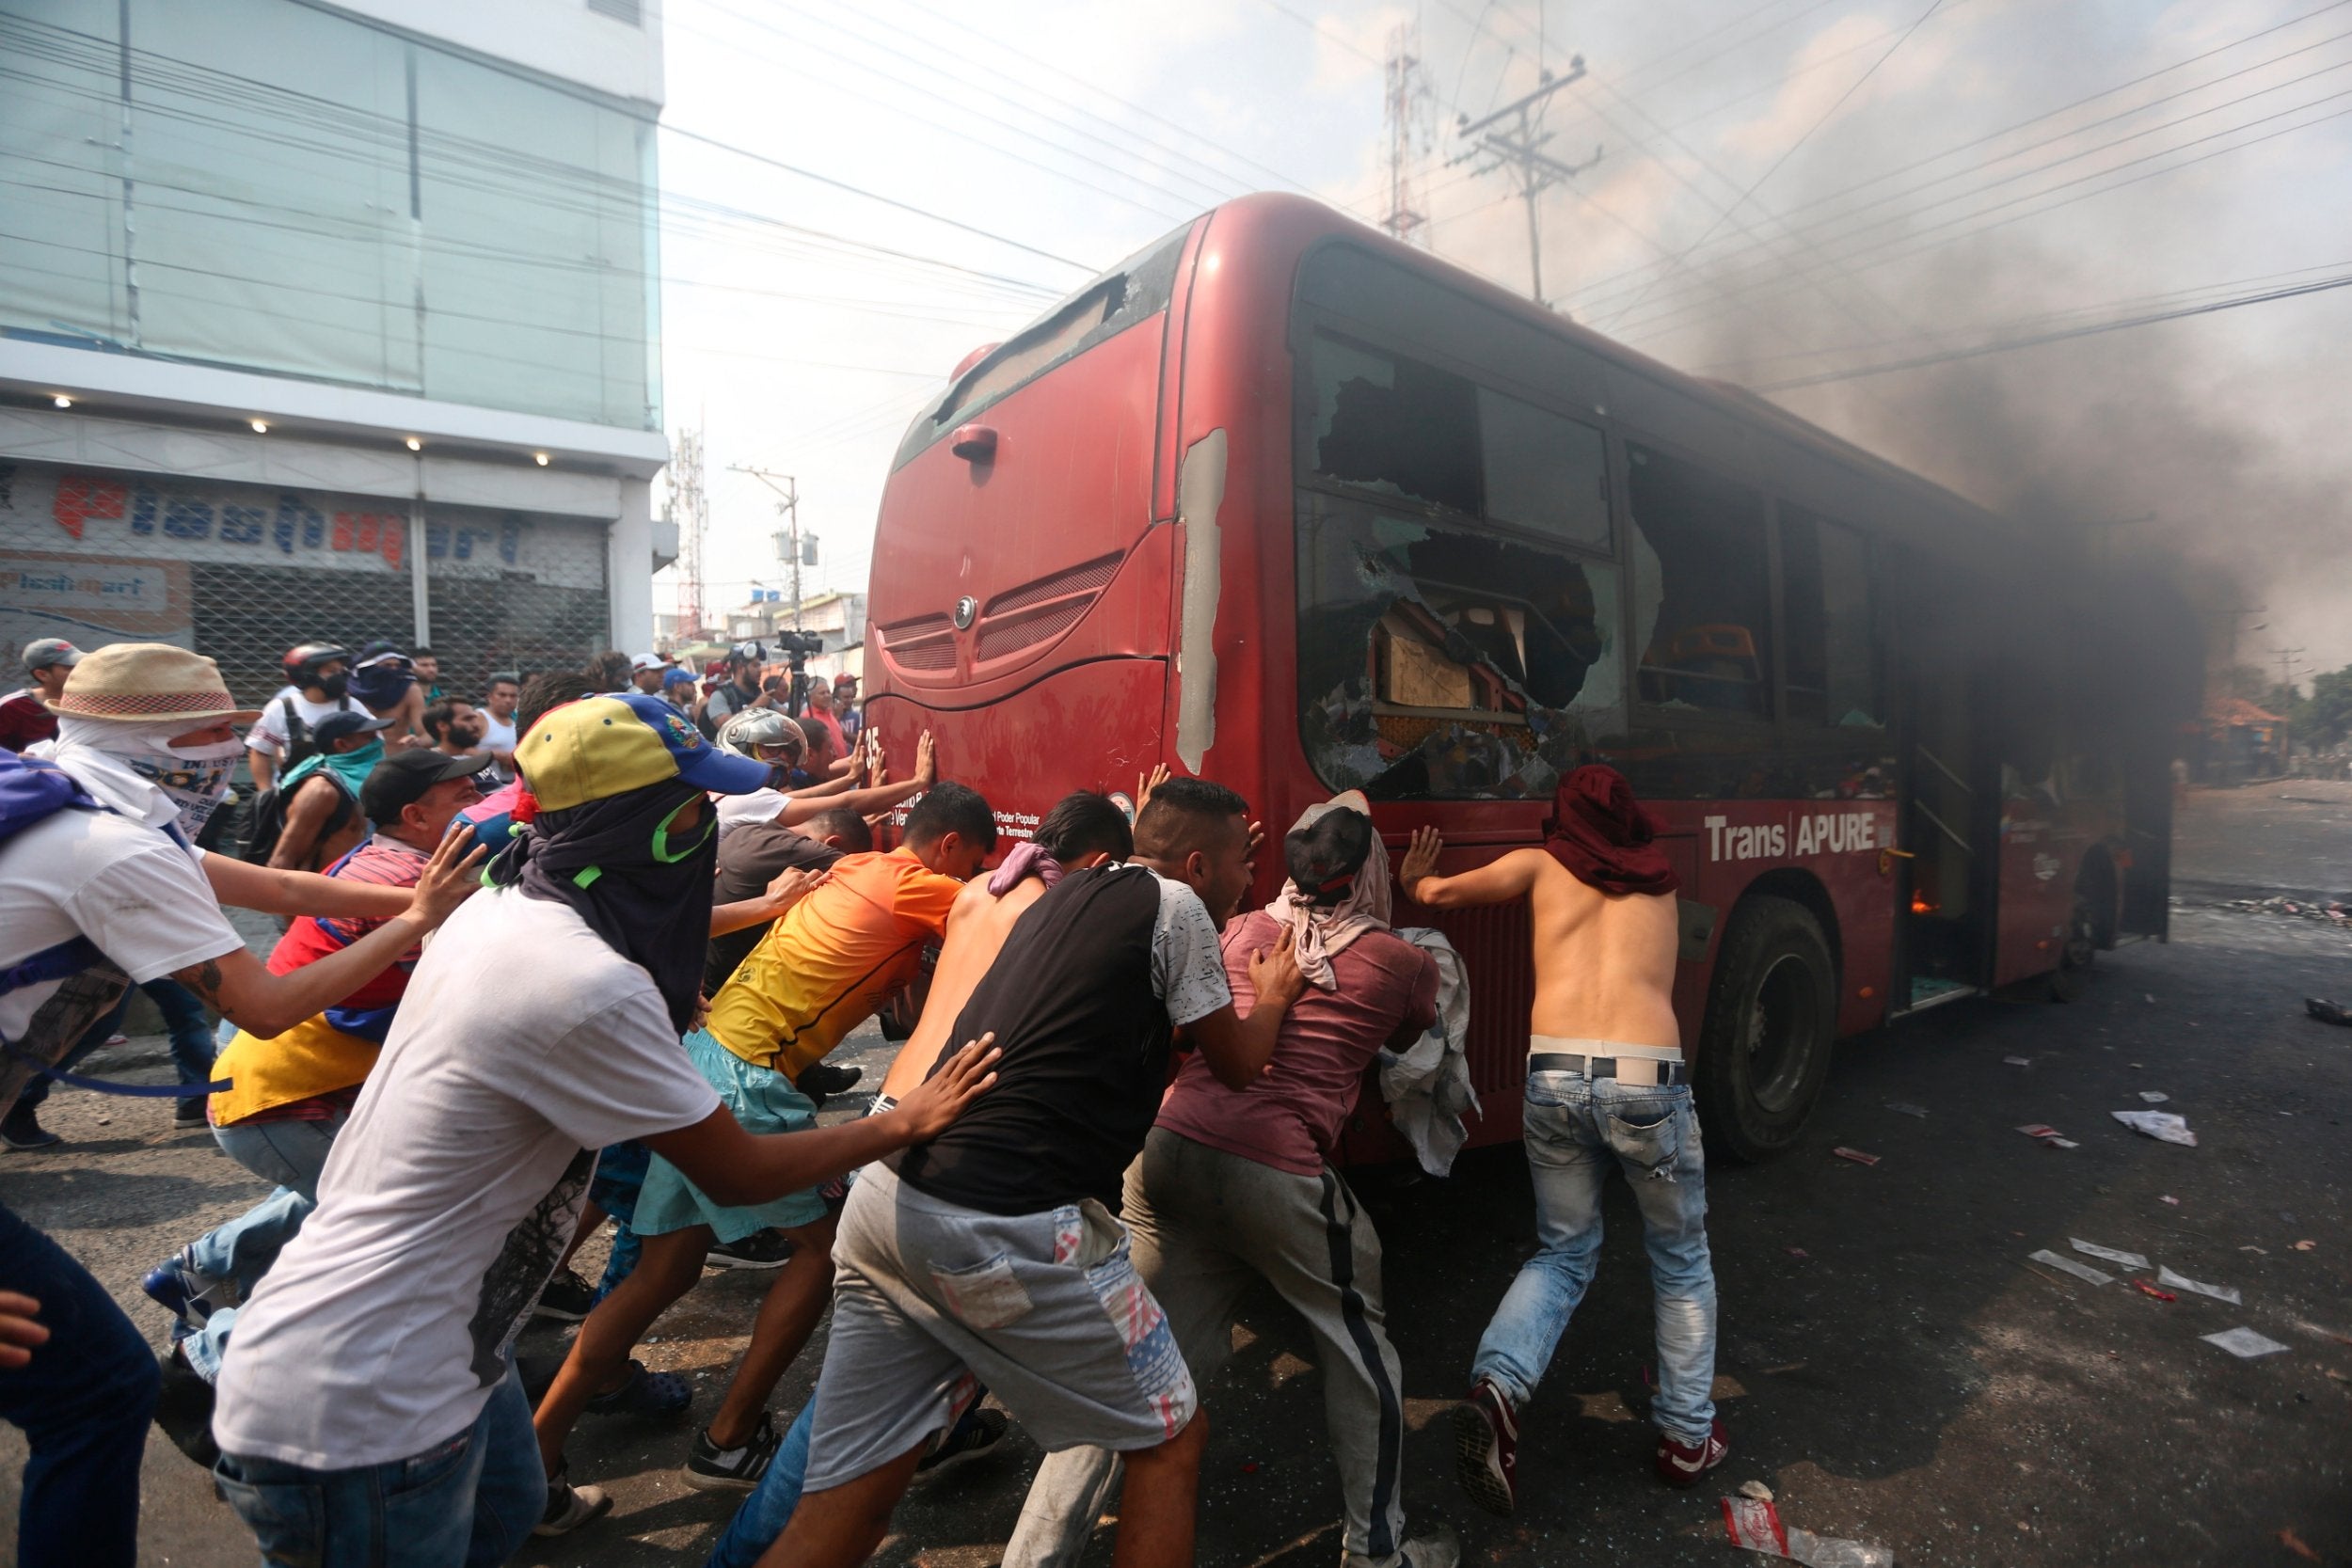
{"x":1835,"y":833}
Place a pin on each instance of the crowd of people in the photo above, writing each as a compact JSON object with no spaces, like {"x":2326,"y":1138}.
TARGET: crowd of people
{"x":1117,"y":1107}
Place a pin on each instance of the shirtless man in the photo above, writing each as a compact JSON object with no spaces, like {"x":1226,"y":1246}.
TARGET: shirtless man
{"x":1605,"y":1085}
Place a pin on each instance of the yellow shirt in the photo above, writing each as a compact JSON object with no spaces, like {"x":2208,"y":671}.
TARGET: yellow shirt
{"x":310,"y":1058}
{"x":833,"y":959}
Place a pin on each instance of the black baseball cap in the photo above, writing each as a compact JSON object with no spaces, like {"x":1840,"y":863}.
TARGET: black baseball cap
{"x":347,"y":721}
{"x":402,"y":779}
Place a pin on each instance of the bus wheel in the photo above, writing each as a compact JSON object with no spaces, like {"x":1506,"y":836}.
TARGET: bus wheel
{"x":1765,"y":1047}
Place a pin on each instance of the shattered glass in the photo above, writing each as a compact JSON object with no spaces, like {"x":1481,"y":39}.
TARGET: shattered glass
{"x":1438,"y":662}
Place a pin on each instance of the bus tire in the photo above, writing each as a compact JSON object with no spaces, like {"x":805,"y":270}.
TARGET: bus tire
{"x":1772,"y":1015}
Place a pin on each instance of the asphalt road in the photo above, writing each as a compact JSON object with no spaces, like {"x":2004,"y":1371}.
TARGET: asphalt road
{"x":1892,"y":1366}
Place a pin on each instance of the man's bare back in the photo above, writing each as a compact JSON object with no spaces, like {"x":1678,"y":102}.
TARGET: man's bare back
{"x":1604,"y":962}
{"x":977,"y":929}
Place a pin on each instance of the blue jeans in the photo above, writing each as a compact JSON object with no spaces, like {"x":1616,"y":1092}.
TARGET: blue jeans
{"x":1578,"y":1130}
{"x":82,"y":1402}
{"x":470,"y":1500}
{"x":768,"y":1509}
{"x":620,"y":1176}
{"x":235,"y":1254}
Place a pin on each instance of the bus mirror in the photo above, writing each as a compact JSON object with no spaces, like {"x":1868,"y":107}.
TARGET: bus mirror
{"x":974,"y":443}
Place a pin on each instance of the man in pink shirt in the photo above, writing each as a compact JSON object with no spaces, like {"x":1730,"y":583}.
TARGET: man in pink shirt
{"x":1236,"y":1185}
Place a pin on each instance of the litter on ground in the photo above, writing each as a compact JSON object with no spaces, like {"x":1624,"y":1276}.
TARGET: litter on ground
{"x":2092,"y":1249}
{"x":2152,"y":1097}
{"x":2182,"y":1282}
{"x":2148,"y":1289}
{"x":1755,"y":1524}
{"x":2083,"y":1271}
{"x":2039,"y":1130}
{"x":1902,"y":1108}
{"x":2161,"y":1125}
{"x":1755,"y":1489}
{"x":1855,"y":1155}
{"x":2018,"y":1061}
{"x":2244,"y":1343}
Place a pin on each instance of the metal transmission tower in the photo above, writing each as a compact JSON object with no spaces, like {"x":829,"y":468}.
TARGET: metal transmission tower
{"x":689,"y":508}
{"x":1405,"y":119}
{"x":1520,"y":146}
{"x":787,"y":490}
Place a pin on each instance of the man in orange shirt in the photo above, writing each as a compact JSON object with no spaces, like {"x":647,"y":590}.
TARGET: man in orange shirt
{"x":820,"y":971}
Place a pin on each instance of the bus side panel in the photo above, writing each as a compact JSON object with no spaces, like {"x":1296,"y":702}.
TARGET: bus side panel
{"x":2041,"y":852}
{"x":1092,"y":726}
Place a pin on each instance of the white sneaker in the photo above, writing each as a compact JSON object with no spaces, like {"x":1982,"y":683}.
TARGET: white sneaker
{"x":1438,"y":1549}
{"x":570,"y":1507}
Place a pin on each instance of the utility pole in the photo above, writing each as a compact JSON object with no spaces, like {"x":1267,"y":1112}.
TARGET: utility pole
{"x":1519,"y":145}
{"x":1405,"y":123}
{"x":789,"y":489}
{"x":2286,"y":674}
{"x":689,"y":508}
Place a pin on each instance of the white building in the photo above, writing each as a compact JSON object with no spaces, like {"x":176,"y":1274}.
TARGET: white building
{"x":330,"y":320}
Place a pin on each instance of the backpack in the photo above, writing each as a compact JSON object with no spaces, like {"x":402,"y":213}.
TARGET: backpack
{"x":264,"y":813}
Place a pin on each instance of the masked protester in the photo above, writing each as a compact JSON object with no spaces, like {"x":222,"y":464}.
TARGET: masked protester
{"x":1237,"y":1186}
{"x":384,"y":682}
{"x":1606,"y":1086}
{"x":380,"y":1341}
{"x":98,"y":886}
{"x":318,"y":683}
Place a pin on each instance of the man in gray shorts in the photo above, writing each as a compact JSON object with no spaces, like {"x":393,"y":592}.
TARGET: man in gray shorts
{"x":994,"y":1256}
{"x":1605,"y":1087}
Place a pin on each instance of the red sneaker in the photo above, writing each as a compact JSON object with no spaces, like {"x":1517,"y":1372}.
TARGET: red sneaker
{"x":1682,"y":1463}
{"x":1486,"y":1448}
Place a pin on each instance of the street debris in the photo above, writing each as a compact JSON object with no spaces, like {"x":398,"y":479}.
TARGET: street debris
{"x":2182,"y":1282}
{"x":2244,"y":1343}
{"x":2083,"y":1271}
{"x":1901,"y":1108}
{"x":1797,"y":1252}
{"x":2264,"y":1251}
{"x":1755,"y":1524}
{"x":2039,"y":1130}
{"x":2148,"y":1289}
{"x":2171,"y":1199}
{"x":2090,"y":1249}
{"x":1855,"y":1155}
{"x":2018,"y":1061}
{"x":2305,"y":1246}
{"x":2299,"y":1546}
{"x":2060,"y":1143}
{"x":2154,"y":1097}
{"x":2163,"y":1126}
{"x":1755,"y":1489}
{"x":2327,"y":911}
{"x":2329,"y":1012}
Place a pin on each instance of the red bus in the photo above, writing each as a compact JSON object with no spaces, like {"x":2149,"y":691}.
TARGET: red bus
{"x":1281,"y":503}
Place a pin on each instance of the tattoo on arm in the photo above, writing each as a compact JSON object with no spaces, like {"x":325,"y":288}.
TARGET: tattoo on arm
{"x":205,"y":978}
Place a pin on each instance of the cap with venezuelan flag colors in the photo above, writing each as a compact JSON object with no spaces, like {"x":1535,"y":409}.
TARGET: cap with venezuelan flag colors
{"x":609,"y":745}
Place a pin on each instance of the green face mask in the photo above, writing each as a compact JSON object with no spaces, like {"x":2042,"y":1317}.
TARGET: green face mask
{"x":353,"y":767}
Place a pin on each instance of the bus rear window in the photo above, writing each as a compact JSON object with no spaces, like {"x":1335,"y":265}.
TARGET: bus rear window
{"x":1130,"y":292}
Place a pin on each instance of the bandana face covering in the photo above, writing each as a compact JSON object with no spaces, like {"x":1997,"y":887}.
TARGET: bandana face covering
{"x":381,"y":686}
{"x":136,"y":770}
{"x":1604,"y":836}
{"x":1322,"y":924}
{"x":645,"y":892}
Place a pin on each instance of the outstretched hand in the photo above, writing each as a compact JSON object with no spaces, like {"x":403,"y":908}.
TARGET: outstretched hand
{"x":932,"y":1105}
{"x":1274,"y":974}
{"x":450,"y":876}
{"x":1421,"y":858}
{"x":793,"y":884}
{"x":21,"y":1329}
{"x":1147,"y":782}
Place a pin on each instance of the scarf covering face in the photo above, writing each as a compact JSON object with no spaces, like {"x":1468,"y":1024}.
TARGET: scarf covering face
{"x":1601,"y":832}
{"x":382,"y":685}
{"x":649,"y":899}
{"x":1318,"y":930}
{"x":1026,"y":859}
{"x":352,"y":768}
{"x":133,"y":769}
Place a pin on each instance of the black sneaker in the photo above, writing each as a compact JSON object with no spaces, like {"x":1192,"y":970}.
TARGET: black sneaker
{"x":979,"y":1430}
{"x":711,"y":1469}
{"x":820,"y":1079}
{"x":570,"y":1507}
{"x":21,"y":1129}
{"x":567,"y":1299}
{"x":190,"y":1113}
{"x":761,"y":1249}
{"x":184,"y":1409}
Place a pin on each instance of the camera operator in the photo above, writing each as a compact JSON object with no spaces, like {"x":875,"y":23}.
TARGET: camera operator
{"x":741,"y":690}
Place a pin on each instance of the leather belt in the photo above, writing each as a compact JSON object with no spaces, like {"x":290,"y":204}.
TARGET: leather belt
{"x":1631,"y":1071}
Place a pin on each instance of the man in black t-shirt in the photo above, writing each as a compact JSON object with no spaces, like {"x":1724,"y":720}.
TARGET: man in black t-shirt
{"x":994,"y":1255}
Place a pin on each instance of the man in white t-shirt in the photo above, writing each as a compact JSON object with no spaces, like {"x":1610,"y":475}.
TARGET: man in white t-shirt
{"x":368,"y":1395}
{"x":318,"y":678}
{"x":105,"y":885}
{"x":499,"y":703}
